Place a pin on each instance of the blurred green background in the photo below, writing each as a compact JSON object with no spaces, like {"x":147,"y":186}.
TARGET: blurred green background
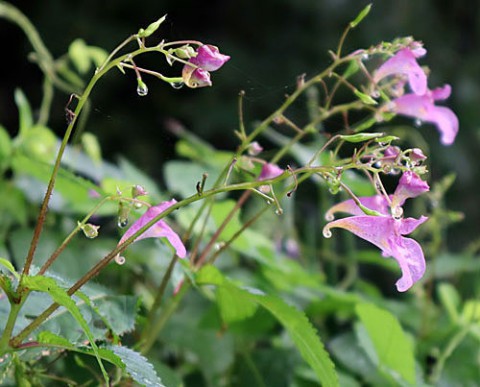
{"x":271,"y":42}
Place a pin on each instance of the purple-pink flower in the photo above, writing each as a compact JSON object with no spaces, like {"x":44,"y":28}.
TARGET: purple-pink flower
{"x":404,"y":63}
{"x":197,"y":72}
{"x":387,"y":229}
{"x":159,"y":230}
{"x":423,"y":107}
{"x":270,"y":171}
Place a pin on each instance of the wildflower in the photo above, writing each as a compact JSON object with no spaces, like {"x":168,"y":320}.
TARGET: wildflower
{"x":423,"y":107}
{"x":404,"y":62}
{"x":158,"y":230}
{"x":386,"y":229}
{"x":196,"y":73}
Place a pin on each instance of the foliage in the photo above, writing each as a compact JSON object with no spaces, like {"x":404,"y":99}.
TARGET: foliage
{"x":259,"y":298}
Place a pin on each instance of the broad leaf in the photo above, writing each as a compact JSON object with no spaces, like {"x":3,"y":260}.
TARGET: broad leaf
{"x":295,"y":322}
{"x":391,"y":350}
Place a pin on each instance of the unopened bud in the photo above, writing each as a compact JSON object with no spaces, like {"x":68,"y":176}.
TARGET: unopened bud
{"x":138,"y":190}
{"x":254,"y":148}
{"x":90,"y":230}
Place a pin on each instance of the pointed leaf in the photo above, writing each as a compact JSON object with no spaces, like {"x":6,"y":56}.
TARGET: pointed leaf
{"x":363,"y":13}
{"x":295,"y":322}
{"x":24,"y":111}
{"x":393,"y":351}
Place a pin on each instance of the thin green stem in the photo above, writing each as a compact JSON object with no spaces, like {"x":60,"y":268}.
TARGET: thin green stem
{"x":46,"y":102}
{"x":9,"y":326}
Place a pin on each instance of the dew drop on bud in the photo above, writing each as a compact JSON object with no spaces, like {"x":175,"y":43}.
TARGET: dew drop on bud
{"x":278,"y":211}
{"x":177,"y":85}
{"x":119,"y":259}
{"x":122,"y":222}
{"x":137,"y":205}
{"x":326,"y":232}
{"x":142,"y":89}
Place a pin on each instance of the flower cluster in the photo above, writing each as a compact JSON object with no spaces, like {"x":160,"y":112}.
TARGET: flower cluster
{"x":386,"y":228}
{"x":419,"y":104}
{"x":196,"y":72}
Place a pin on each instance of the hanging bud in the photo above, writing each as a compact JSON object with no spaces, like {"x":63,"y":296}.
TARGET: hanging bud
{"x":142,"y":88}
{"x":254,"y":149}
{"x":90,"y":230}
{"x":184,"y":52}
{"x":123,"y":211}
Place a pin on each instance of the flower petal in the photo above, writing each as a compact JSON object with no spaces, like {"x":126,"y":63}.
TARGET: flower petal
{"x":422,"y":107}
{"x":158,"y":230}
{"x":209,"y":58}
{"x":270,"y":171}
{"x":409,"y":186}
{"x":376,"y":203}
{"x":404,"y":62}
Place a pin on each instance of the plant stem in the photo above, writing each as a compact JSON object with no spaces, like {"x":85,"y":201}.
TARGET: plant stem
{"x":7,"y":332}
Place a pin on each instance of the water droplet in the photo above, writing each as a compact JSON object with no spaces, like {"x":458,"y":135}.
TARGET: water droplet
{"x":365,"y":57}
{"x":278,"y":211}
{"x":269,"y":202}
{"x":397,"y":212}
{"x":138,"y":205}
{"x":326,"y":232}
{"x":119,"y":259}
{"x":329,"y":216}
{"x":177,"y":85}
{"x":122,"y":222}
{"x":418,"y":122}
{"x":142,"y":89}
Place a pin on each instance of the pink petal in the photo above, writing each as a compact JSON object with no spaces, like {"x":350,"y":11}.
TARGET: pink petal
{"x":209,"y":58}
{"x":404,"y":63}
{"x":158,"y":230}
{"x":376,"y":203}
{"x":409,"y":186}
{"x":385,"y":233}
{"x":422,"y":107}
{"x":441,"y":93}
{"x":270,"y":171}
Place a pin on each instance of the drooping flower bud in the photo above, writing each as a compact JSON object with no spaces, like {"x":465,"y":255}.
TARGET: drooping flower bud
{"x":138,"y":190}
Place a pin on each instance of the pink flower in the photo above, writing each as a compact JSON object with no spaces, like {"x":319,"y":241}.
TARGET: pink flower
{"x":404,"y":62}
{"x":386,"y":230}
{"x":423,"y":108}
{"x":159,"y":230}
{"x":208,"y":58}
{"x":270,"y":171}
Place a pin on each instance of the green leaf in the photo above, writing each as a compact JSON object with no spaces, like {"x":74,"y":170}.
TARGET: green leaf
{"x":61,"y":297}
{"x":234,"y":303}
{"x":25,"y":112}
{"x":295,"y":322}
{"x":8,"y":265}
{"x":393,"y":351}
{"x":144,"y":33}
{"x":363,"y":13}
{"x":92,"y":147}
{"x":360,"y":137}
{"x":137,"y":366}
{"x":39,"y":143}
{"x":78,"y":53}
{"x":365,"y":98}
{"x":5,"y":148}
{"x":450,"y":300}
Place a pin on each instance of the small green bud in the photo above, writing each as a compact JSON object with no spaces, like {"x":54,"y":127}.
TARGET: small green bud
{"x":90,"y":230}
{"x":359,"y":137}
{"x":184,"y":52}
{"x":144,"y":33}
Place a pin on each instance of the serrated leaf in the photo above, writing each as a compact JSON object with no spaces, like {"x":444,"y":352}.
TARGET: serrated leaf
{"x":363,"y":13}
{"x":393,"y":351}
{"x":137,"y":366}
{"x":295,"y":322}
{"x":234,"y":304}
{"x":61,"y":297}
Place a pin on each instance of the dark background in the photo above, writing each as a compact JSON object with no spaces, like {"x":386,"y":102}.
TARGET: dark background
{"x":271,"y":42}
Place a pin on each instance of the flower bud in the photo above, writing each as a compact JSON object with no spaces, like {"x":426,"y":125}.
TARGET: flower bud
{"x":138,"y":190}
{"x":90,"y":230}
